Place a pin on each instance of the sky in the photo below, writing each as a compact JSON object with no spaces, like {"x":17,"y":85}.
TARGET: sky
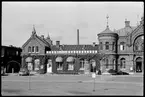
{"x":62,"y":19}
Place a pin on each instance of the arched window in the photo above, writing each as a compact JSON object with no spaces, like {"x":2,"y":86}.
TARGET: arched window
{"x":107,"y":45}
{"x":122,"y":63}
{"x":139,"y":44}
{"x":37,"y":49}
{"x":122,"y":46}
{"x":29,"y":49}
{"x":33,"y":49}
{"x":101,"y":46}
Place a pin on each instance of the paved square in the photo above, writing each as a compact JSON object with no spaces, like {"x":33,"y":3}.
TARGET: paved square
{"x":72,"y":85}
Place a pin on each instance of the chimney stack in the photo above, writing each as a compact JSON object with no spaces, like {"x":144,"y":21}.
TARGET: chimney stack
{"x":42,"y":36}
{"x":127,"y":23}
{"x":77,"y":36}
{"x":57,"y":43}
{"x":94,"y":43}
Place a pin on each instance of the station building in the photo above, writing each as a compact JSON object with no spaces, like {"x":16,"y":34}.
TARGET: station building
{"x":121,"y":49}
{"x":45,"y":57}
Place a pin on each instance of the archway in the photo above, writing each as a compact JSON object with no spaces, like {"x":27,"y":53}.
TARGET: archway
{"x":13,"y":67}
{"x":92,"y":62}
{"x":139,"y":64}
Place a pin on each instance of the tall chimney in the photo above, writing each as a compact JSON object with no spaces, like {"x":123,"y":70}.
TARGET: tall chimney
{"x":77,"y":36}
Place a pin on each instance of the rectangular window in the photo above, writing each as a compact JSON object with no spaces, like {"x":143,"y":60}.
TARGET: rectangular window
{"x":101,"y":46}
{"x":107,"y":45}
{"x":122,"y":46}
{"x":113,"y":46}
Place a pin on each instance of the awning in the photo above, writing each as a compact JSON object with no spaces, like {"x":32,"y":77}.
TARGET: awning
{"x":70,"y":59}
{"x":58,"y":59}
{"x":28,"y":59}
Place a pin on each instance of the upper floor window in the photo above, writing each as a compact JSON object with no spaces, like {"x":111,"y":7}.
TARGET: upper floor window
{"x":107,"y":45}
{"x":139,"y":44}
{"x":37,"y":49}
{"x":29,"y":49}
{"x":101,"y":46}
{"x":122,"y":46}
{"x":113,"y":46}
{"x":33,"y":49}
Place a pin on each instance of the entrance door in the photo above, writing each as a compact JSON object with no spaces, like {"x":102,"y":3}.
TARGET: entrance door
{"x":139,"y":64}
{"x":49,"y":66}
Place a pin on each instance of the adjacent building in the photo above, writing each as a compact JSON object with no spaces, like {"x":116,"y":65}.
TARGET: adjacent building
{"x":10,"y":59}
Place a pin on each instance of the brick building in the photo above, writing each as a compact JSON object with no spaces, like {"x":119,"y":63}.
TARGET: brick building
{"x":123,"y":49}
{"x":44,"y":57}
{"x":10,"y":59}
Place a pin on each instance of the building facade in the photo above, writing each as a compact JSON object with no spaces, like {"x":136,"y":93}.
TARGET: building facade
{"x":123,"y":49}
{"x":42,"y":56}
{"x":120,"y":50}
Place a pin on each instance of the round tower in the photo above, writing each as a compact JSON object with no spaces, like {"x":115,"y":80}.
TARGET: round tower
{"x":108,"y":48}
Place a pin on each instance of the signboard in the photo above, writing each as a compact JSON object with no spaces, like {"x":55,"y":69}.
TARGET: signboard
{"x":93,"y":75}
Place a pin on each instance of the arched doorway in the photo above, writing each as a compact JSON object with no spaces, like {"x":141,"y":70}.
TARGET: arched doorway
{"x":122,"y":63}
{"x":92,"y":65}
{"x":49,"y":66}
{"x":13,"y":67}
{"x":139,"y":64}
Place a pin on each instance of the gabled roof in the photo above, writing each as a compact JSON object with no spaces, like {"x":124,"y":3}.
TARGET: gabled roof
{"x":74,"y":47}
{"x":38,"y":37}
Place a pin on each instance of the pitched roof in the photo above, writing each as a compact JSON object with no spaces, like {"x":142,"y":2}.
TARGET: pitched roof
{"x":43,"y":40}
{"x":107,"y":30}
{"x":74,"y":47}
{"x":125,"y":31}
